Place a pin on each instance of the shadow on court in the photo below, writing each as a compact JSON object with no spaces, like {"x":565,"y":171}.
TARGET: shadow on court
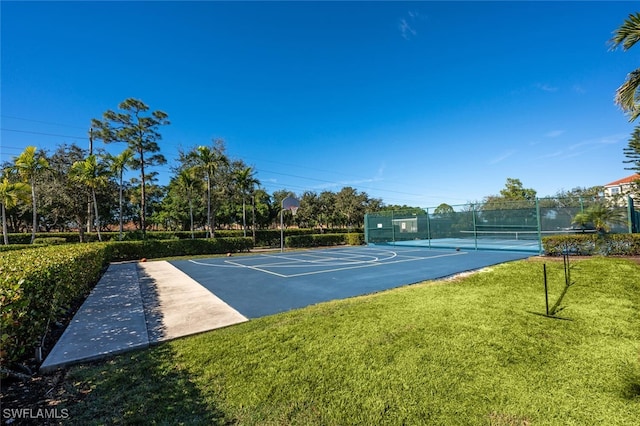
{"x":266,"y":284}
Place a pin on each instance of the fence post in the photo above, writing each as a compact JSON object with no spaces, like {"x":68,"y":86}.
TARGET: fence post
{"x":393,"y":229}
{"x":475,"y":229}
{"x":630,"y":214}
{"x":366,"y":228}
{"x":539,"y":225}
{"x":428,"y":228}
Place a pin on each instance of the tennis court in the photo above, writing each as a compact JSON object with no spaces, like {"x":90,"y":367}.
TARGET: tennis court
{"x":265,"y":284}
{"x":526,"y":241}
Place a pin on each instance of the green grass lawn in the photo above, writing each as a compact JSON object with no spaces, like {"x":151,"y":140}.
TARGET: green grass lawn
{"x":471,"y":351}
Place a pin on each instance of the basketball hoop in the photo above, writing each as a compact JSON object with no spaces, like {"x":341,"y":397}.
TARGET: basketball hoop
{"x":289,"y":203}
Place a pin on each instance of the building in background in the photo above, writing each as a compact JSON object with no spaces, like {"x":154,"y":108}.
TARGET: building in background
{"x":622,"y":187}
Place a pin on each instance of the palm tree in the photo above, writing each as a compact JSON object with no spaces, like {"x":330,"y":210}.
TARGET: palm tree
{"x":188,"y":183}
{"x":246,"y":183}
{"x":118,"y":165}
{"x":601,"y":217}
{"x":10,"y":195}
{"x":28,"y":165}
{"x":208,"y":161}
{"x":92,"y":174}
{"x":582,"y":219}
{"x":627,"y":95}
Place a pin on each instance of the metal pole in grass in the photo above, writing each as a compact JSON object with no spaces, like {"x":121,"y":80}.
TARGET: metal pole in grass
{"x":546,"y":291}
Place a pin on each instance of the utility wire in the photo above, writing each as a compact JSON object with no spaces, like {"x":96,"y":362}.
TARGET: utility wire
{"x":42,"y":133}
{"x":41,"y":122}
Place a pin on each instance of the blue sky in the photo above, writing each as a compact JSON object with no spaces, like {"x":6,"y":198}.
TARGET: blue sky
{"x":416,"y":103}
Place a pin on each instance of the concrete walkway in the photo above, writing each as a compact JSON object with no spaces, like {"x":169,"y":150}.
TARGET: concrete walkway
{"x":135,"y":305}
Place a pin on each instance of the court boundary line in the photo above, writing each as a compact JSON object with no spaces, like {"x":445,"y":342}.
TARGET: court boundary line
{"x":368,"y":264}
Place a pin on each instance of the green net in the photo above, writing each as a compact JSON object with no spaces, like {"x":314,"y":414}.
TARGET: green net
{"x":500,"y":225}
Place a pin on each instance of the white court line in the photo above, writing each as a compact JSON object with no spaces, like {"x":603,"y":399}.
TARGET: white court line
{"x":370,"y":265}
{"x":291,"y":262}
{"x":255,"y":269}
{"x":317,"y":260}
{"x":338,"y":261}
{"x":298,"y":263}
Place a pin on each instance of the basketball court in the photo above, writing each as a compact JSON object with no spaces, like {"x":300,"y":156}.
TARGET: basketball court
{"x":265,"y":284}
{"x":139,"y":304}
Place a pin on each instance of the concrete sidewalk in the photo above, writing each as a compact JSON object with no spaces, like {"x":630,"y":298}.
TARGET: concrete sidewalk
{"x":135,"y":305}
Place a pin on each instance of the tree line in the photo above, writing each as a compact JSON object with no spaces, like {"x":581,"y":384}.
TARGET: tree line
{"x":74,"y":188}
{"x":78,"y":189}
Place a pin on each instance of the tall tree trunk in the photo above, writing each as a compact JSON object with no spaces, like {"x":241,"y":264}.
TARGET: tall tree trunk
{"x":209,"y":218}
{"x":89,"y":214}
{"x":143,"y":196}
{"x":253,"y":216}
{"x":4,"y":226}
{"x":120,"y":208}
{"x":35,"y":217}
{"x":244,"y":217}
{"x":95,"y":206}
{"x":80,"y":229}
{"x":191,"y":216}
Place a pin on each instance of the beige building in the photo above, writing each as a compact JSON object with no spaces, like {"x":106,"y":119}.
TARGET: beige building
{"x":620,"y":186}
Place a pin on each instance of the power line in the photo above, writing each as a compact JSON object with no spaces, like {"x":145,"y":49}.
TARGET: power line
{"x":42,"y":133}
{"x":41,"y":122}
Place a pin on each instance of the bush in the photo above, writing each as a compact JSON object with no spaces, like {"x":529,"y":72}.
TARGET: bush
{"x":50,"y":241}
{"x":590,"y":244}
{"x":37,"y":286}
{"x":317,"y":240}
{"x":12,"y":247}
{"x":355,"y":239}
{"x":134,"y":250}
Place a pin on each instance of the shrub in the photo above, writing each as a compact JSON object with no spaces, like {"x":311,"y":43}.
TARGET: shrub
{"x":50,"y":241}
{"x":12,"y":247}
{"x":590,"y":244}
{"x":133,"y":250}
{"x":355,"y":239}
{"x":37,"y":286}
{"x":316,"y":240}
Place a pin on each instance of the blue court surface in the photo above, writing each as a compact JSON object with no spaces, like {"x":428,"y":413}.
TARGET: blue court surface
{"x":265,"y":284}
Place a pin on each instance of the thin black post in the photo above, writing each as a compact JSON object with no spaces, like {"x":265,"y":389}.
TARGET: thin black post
{"x":567,"y":271}
{"x":546,"y":292}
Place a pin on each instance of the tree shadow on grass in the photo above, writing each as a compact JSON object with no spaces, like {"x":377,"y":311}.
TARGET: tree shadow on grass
{"x":142,"y":387}
{"x":632,"y":388}
{"x":147,"y":386}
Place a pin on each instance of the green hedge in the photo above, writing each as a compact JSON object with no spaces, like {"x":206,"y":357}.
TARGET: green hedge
{"x":317,"y":240}
{"x":50,"y":241}
{"x":264,"y":237}
{"x":355,"y":239}
{"x":14,"y":247}
{"x":149,"y":249}
{"x":37,"y":286}
{"x":592,"y":244}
